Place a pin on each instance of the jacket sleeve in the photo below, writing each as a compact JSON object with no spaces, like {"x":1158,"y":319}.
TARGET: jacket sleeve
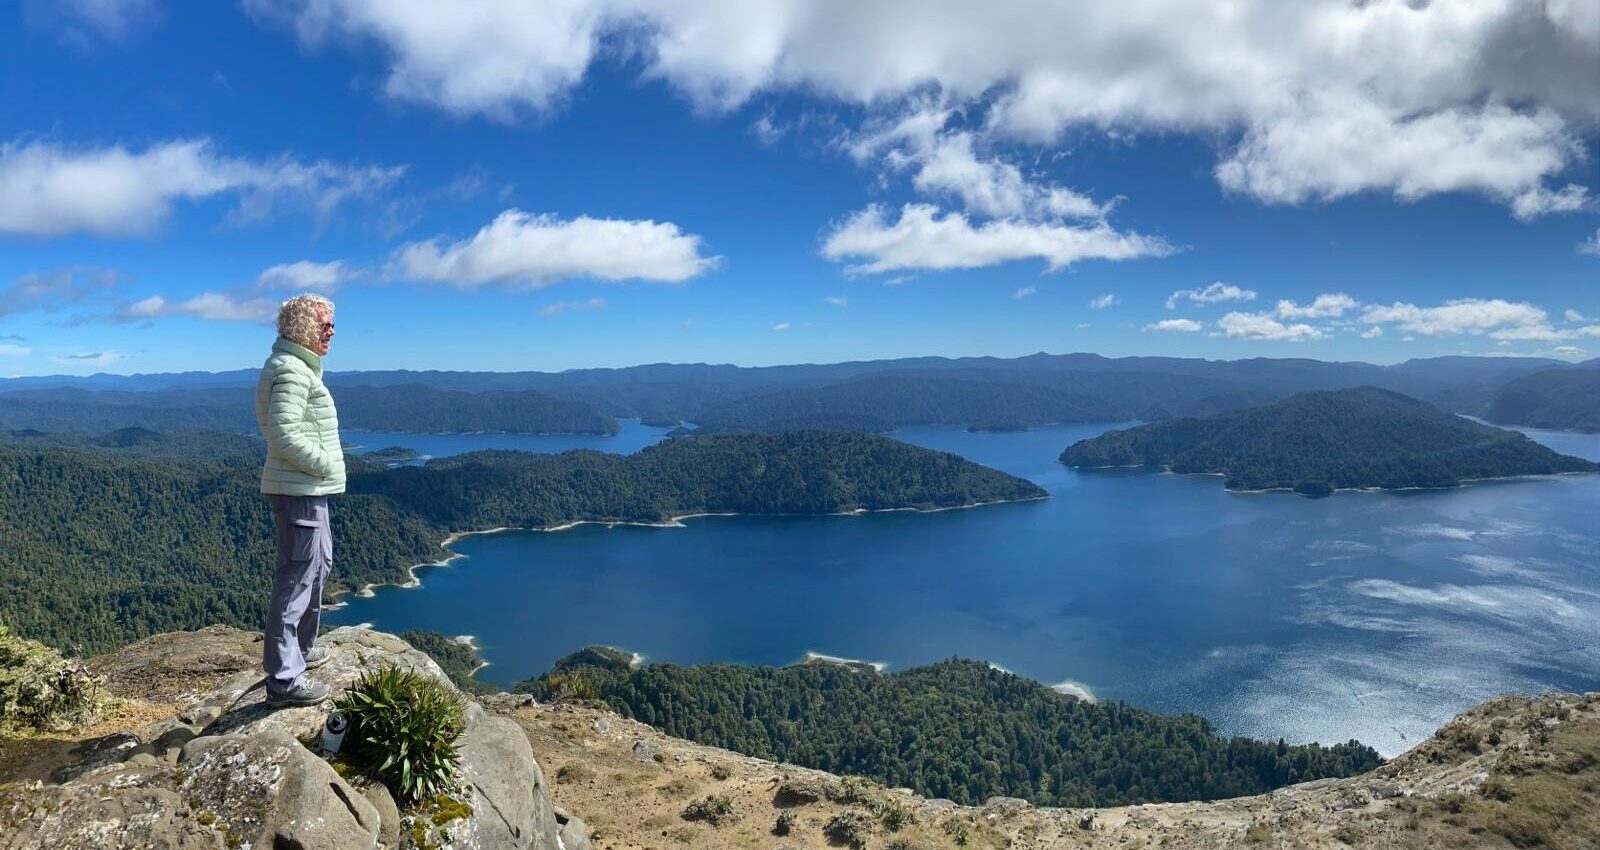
{"x":286,"y":408}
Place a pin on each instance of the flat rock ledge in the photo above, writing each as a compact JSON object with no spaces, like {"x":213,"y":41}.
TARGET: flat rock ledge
{"x":227,"y":771}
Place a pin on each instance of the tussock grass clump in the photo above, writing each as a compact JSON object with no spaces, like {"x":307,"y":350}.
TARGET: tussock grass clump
{"x":403,"y":731}
{"x":42,"y":692}
{"x":715,"y":809}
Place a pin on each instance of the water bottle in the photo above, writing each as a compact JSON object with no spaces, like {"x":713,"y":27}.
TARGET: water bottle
{"x":333,"y":732}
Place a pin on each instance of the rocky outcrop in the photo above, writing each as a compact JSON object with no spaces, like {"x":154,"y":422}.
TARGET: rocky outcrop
{"x":228,"y":771}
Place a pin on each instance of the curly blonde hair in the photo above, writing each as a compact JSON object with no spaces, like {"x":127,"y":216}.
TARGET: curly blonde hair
{"x":300,"y":319}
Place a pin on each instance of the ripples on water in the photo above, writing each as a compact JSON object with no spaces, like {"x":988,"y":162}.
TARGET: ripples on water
{"x":1364,"y":615}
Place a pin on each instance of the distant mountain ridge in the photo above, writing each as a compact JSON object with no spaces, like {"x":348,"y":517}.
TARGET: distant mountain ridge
{"x":1031,"y":390}
{"x":1559,"y":399}
{"x":1318,"y":442}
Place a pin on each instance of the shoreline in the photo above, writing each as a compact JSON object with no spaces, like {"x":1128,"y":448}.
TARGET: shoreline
{"x":413,"y":582}
{"x":1530,"y":476}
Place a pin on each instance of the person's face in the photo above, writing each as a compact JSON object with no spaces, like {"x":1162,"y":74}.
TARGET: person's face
{"x":326,"y":333}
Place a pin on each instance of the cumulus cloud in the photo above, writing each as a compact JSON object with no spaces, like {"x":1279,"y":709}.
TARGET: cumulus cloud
{"x":1463,"y":315}
{"x":1372,"y":333}
{"x":55,"y":290}
{"x":1187,"y":325}
{"x":1101,"y":302}
{"x":1316,"y":100}
{"x":211,"y":306}
{"x":1024,"y":292}
{"x":306,"y":274}
{"x":1264,"y":327}
{"x":1324,"y":306}
{"x":1591,"y":246}
{"x":530,"y":251}
{"x":781,"y":326}
{"x":49,"y":190}
{"x":835,"y":300}
{"x":569,"y":306}
{"x":1573,"y":316}
{"x":1211,"y":294}
{"x":922,"y":238}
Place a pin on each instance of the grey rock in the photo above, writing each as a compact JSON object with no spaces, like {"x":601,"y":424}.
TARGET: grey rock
{"x":1006,"y":803}
{"x":96,"y":754}
{"x":575,"y":834}
{"x":602,"y":725}
{"x":647,"y":750}
{"x":510,"y":805}
{"x":272,"y":792}
{"x":77,"y":817}
{"x":388,"y":812}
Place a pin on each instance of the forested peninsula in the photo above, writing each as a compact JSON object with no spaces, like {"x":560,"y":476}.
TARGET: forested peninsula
{"x":961,"y":730}
{"x":1559,"y":399}
{"x":111,"y":538}
{"x":1318,"y":442}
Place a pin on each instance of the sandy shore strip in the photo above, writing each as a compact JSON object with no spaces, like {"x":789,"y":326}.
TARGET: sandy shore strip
{"x":814,"y":657}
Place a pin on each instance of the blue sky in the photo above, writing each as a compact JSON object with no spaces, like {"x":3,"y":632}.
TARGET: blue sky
{"x":500,"y":185}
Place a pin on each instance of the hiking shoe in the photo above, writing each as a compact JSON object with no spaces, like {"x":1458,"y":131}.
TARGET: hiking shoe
{"x":317,"y":657}
{"x":310,"y":692}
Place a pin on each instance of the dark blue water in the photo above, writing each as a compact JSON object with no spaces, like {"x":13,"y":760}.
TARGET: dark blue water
{"x":1365,"y":615}
{"x":630,"y":437}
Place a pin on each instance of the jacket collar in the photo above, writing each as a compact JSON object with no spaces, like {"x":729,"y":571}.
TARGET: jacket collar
{"x":300,"y":351}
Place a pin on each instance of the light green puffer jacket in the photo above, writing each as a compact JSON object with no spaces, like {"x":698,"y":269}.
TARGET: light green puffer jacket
{"x":298,"y":419}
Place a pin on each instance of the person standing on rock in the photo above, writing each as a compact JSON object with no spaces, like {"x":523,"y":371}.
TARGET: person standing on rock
{"x":305,"y":465}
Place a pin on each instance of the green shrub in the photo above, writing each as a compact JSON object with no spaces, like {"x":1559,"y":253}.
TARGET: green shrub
{"x":849,"y":827}
{"x":720,"y":772}
{"x":785,"y":823}
{"x":403,"y":730}
{"x":41,"y":691}
{"x":715,"y":809}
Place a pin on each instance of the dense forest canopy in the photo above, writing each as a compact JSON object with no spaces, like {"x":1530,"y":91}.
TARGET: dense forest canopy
{"x":1320,"y":441}
{"x":1559,"y":399}
{"x":962,"y":730}
{"x":115,"y":537}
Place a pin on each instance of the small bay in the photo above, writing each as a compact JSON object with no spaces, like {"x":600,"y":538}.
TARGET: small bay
{"x":1363,"y":615}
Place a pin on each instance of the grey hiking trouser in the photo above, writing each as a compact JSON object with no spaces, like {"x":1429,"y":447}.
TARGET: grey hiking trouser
{"x":305,"y":554}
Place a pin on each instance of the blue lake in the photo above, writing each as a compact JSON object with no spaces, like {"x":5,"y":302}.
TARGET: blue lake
{"x":1364,"y":615}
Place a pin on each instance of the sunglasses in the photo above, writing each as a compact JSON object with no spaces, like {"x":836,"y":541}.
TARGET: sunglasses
{"x":327,"y":326}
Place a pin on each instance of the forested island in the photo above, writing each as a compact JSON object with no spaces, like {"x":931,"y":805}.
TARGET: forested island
{"x":961,"y":730}
{"x":1318,"y":442}
{"x":111,"y":538}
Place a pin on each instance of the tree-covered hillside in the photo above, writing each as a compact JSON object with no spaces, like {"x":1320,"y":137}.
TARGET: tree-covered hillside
{"x":958,"y":729}
{"x":1321,"y":441}
{"x":802,"y":472}
{"x":1560,"y":399}
{"x":111,"y":538}
{"x":409,"y":407}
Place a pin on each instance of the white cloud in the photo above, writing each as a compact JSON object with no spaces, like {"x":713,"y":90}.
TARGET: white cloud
{"x":1187,"y":325}
{"x":306,"y":274}
{"x":1024,"y":292}
{"x":211,"y":306}
{"x":835,"y":300}
{"x":924,"y":239}
{"x":1327,"y":98}
{"x":1372,"y":333}
{"x":1591,"y":246}
{"x":569,"y":306}
{"x":1211,"y":294}
{"x":531,"y":251}
{"x":1465,"y":315}
{"x":1543,"y":332}
{"x":1101,"y":302}
{"x":1263,"y":326}
{"x":11,"y":349}
{"x":88,"y":358}
{"x":1574,"y":316}
{"x":49,"y":190}
{"x":1566,"y":351}
{"x":781,"y":326}
{"x":1326,"y":305}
